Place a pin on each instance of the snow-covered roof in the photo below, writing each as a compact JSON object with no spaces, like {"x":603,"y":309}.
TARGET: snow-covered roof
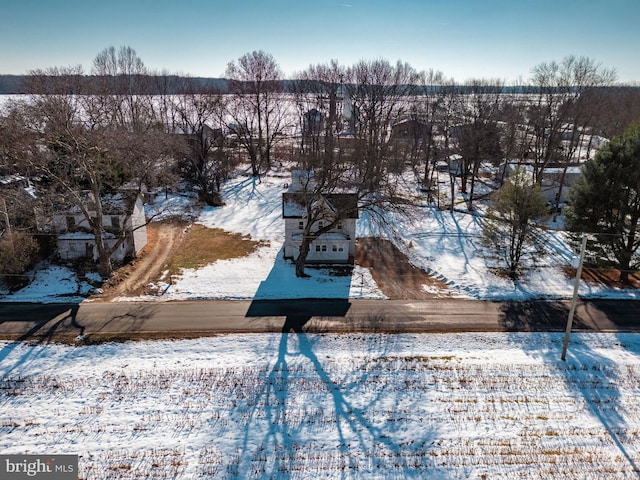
{"x":572,"y":169}
{"x":119,"y":203}
{"x":292,"y":208}
{"x":294,"y":204}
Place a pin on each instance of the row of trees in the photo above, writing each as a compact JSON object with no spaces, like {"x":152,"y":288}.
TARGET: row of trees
{"x":604,"y":206}
{"x":357,"y":127}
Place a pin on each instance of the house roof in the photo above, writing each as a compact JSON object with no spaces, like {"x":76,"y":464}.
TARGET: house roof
{"x":118,"y":203}
{"x":294,"y":206}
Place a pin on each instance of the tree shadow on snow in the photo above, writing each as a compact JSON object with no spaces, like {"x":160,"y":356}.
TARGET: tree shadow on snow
{"x":588,"y":375}
{"x":321,"y":296}
{"x":51,"y":320}
{"x":314,"y":414}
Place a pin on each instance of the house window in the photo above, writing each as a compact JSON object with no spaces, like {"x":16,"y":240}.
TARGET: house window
{"x":115,"y":222}
{"x":71,"y":222}
{"x":340,"y":248}
{"x":317,"y":248}
{"x":320,"y":225}
{"x":300,"y":225}
{"x":334,"y":248}
{"x":324,"y":248}
{"x":339,"y":226}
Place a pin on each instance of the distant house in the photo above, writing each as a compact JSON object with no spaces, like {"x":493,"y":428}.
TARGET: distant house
{"x":453,"y":165}
{"x":552,"y":177}
{"x":335,"y":246}
{"x":121,"y":211}
{"x":410,"y":129}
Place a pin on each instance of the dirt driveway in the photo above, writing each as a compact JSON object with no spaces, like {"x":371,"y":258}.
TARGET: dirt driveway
{"x":163,"y":238}
{"x":395,"y":276}
{"x":390,"y":268}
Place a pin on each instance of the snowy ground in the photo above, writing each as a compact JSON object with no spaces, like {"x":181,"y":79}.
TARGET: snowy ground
{"x":442,"y":242}
{"x":463,"y":406}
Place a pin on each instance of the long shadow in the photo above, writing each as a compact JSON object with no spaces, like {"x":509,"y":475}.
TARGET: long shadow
{"x":286,"y":392}
{"x":43,"y":331}
{"x":587,"y":373}
{"x":451,"y":231}
{"x":536,"y":316}
{"x":590,"y":315}
{"x":272,"y":399}
{"x":335,"y":401}
{"x":298,"y":312}
{"x":282,"y":294}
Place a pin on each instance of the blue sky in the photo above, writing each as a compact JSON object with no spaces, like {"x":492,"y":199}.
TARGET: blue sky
{"x":462,"y":38}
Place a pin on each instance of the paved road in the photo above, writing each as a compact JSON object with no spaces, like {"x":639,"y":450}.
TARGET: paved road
{"x":99,"y":321}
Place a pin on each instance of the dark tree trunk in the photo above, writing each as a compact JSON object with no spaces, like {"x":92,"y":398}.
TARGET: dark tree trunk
{"x":301,"y":261}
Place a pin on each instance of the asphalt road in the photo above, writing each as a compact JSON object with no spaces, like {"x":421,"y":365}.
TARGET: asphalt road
{"x":126,"y":320}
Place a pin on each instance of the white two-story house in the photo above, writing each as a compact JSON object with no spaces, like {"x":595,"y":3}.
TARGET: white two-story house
{"x":121,"y":212}
{"x":337,"y":245}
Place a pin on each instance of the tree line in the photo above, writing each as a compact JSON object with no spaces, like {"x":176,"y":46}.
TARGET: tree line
{"x":358,"y":127}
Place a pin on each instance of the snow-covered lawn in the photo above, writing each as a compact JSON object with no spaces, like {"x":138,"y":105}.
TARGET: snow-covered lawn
{"x":463,"y":406}
{"x":442,"y":242}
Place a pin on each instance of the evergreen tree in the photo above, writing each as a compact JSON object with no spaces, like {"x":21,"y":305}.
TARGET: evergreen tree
{"x":509,"y":225}
{"x":606,"y":202}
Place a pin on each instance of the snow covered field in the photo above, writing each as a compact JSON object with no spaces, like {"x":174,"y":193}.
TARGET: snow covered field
{"x":442,"y":242}
{"x":463,"y":406}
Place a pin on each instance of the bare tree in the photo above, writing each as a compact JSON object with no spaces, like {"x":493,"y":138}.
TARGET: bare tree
{"x":121,"y":89}
{"x":91,"y":144}
{"x":450,"y":96}
{"x":425,"y":112}
{"x":364,"y":177}
{"x":510,"y":224}
{"x":615,"y":108}
{"x":318,"y":93}
{"x":513,"y":130}
{"x":557,"y":113}
{"x":197,"y":117}
{"x":331,"y":195}
{"x":18,"y":249}
{"x":477,"y":136}
{"x":378,"y":95}
{"x":256,"y":113}
{"x":13,"y":141}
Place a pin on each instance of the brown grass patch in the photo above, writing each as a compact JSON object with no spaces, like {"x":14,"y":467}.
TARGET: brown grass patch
{"x":202,"y":246}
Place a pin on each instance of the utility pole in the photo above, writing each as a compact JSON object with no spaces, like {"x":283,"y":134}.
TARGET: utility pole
{"x":572,"y":311}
